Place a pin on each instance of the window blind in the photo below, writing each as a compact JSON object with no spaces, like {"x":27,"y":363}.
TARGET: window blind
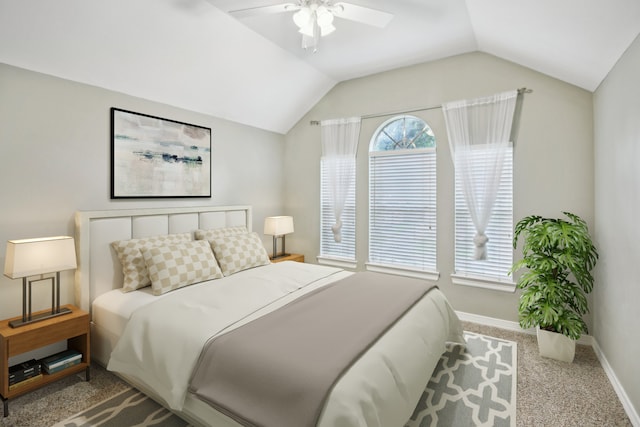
{"x":499,"y":231}
{"x":402,"y":208}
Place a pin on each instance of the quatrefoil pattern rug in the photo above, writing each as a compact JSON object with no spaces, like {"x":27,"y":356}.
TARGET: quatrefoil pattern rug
{"x":472,"y":385}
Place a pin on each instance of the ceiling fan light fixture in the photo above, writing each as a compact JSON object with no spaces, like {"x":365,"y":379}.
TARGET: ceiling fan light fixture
{"x":314,"y":19}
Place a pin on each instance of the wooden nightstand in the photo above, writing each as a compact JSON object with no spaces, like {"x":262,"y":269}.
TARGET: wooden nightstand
{"x":289,"y":257}
{"x":73,"y":327}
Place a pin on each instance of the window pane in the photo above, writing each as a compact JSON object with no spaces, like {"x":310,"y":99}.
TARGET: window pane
{"x":405,"y":132}
{"x":402,"y":229}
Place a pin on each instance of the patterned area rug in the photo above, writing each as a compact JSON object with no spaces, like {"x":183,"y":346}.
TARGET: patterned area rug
{"x":129,"y":408}
{"x":472,"y":385}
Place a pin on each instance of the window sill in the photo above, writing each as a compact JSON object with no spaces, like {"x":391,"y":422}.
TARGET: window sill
{"x":337,"y":262}
{"x":403,"y":271}
{"x":483,"y":282}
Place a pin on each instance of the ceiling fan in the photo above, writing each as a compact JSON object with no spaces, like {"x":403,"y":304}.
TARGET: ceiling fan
{"x":314,"y":18}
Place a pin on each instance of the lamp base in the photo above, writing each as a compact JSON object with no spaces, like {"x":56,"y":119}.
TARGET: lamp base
{"x":38,"y":317}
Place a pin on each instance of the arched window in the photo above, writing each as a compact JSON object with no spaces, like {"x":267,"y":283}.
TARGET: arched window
{"x":402,"y":197}
{"x":405,"y":132}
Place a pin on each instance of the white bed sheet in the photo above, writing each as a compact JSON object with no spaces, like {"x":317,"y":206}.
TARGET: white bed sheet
{"x":113,"y":309}
{"x":397,"y":366}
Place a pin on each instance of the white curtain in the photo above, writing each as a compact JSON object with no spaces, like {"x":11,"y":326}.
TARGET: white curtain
{"x":339,"y":146}
{"x":474,"y":126}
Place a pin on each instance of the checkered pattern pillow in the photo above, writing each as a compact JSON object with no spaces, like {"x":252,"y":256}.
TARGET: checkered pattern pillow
{"x":217,"y":233}
{"x":176,"y":266}
{"x":239,"y":252}
{"x":133,"y":266}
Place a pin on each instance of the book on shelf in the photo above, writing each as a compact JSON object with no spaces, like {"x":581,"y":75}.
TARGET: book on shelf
{"x":16,"y":378}
{"x":62,"y":360}
{"x":24,"y":371}
{"x":25,"y":381}
{"x":62,"y":367}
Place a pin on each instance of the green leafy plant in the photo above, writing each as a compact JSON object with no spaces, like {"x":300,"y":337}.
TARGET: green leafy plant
{"x":558,"y":256}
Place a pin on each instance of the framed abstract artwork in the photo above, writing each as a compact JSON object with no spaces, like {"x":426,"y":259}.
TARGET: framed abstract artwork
{"x":152,"y":157}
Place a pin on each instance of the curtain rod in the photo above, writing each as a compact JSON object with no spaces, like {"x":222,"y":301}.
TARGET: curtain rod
{"x":393,"y":113}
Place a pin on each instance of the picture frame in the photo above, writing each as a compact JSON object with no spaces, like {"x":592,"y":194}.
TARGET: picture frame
{"x":154,"y":157}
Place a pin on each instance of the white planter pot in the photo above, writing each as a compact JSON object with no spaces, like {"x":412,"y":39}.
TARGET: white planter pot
{"x":556,"y":346}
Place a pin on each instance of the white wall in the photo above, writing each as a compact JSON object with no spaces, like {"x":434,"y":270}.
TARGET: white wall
{"x":55,"y":159}
{"x":617,"y":212}
{"x":553,"y":157}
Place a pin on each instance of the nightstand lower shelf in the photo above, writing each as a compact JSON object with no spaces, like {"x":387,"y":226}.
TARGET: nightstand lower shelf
{"x":19,"y":390}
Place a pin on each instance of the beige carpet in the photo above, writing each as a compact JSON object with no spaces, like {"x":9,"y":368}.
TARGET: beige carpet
{"x":549,"y":393}
{"x":554,"y":394}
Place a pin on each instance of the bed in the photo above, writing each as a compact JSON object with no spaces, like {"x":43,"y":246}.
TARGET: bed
{"x":153,"y":337}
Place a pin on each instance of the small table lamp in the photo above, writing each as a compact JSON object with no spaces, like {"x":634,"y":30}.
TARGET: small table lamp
{"x":31,"y":257}
{"x":278,"y":226}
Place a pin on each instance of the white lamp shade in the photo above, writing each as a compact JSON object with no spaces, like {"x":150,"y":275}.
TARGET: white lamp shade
{"x":29,"y":257}
{"x":278,"y":225}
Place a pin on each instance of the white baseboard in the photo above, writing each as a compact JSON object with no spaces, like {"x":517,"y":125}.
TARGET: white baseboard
{"x":490,"y":321}
{"x":510,"y":325}
{"x":585,"y":339}
{"x":622,"y":395}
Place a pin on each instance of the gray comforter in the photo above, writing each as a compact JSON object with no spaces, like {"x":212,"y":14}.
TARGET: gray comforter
{"x":278,"y":370}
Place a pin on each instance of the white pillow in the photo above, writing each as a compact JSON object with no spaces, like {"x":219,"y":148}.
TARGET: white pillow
{"x":239,"y":252}
{"x":175,"y":266}
{"x":133,"y":265}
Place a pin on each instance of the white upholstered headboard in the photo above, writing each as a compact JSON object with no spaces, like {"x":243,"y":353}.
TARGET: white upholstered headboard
{"x":99,"y":269}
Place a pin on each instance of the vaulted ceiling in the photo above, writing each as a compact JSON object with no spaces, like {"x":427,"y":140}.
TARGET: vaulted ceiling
{"x":195,"y":55}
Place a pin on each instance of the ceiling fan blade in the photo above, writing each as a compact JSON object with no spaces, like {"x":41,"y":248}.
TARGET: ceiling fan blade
{"x":362,"y":14}
{"x":264,"y":10}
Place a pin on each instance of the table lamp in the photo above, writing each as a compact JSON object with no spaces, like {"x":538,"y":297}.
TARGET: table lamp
{"x":278,"y":226}
{"x":32,"y":257}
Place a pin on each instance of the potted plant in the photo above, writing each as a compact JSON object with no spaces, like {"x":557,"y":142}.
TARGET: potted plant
{"x":558,"y":256}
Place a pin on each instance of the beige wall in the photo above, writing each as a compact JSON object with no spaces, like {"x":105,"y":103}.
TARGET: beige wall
{"x":55,"y":159}
{"x":553,"y":157}
{"x":617,"y":196}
